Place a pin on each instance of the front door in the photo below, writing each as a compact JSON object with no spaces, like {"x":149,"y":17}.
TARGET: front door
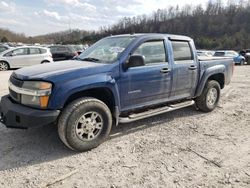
{"x":148,"y":84}
{"x":18,"y":57}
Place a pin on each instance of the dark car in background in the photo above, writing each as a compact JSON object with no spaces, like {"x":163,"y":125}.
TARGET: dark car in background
{"x":62,"y":52}
{"x":246,"y":54}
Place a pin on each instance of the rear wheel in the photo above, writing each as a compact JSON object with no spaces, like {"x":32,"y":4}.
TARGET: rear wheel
{"x":210,"y":96}
{"x":84,"y":124}
{"x":4,"y":66}
{"x":46,"y":61}
{"x":242,"y":62}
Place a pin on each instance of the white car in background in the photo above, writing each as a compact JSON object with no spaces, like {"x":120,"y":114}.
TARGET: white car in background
{"x":206,"y":53}
{"x":24,"y":56}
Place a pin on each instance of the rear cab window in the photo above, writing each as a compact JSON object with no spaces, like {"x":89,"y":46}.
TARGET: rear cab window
{"x":182,"y":52}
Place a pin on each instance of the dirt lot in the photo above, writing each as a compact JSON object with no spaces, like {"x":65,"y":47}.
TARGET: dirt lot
{"x":184,"y":148}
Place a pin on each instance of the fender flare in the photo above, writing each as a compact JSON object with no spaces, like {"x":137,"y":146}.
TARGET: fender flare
{"x":217,"y":69}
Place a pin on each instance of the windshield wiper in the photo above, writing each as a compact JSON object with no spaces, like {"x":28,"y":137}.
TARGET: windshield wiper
{"x":89,"y":59}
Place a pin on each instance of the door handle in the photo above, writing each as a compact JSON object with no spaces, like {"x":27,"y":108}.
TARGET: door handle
{"x":165,"y":70}
{"x":192,"y":67}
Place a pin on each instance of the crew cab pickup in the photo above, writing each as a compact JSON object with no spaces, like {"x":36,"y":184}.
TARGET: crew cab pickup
{"x":119,"y":79}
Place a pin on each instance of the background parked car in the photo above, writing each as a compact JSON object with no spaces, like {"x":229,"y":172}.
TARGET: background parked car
{"x":4,"y":48}
{"x":238,"y":59}
{"x":207,"y":53}
{"x":24,"y":56}
{"x":246,"y":54}
{"x":62,"y":52}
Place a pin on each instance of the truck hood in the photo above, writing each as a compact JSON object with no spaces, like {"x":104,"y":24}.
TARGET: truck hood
{"x":52,"y":71}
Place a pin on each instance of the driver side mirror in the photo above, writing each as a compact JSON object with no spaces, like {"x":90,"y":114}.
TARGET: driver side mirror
{"x":134,"y":61}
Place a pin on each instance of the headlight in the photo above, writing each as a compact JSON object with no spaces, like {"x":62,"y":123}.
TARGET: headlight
{"x":33,"y":93}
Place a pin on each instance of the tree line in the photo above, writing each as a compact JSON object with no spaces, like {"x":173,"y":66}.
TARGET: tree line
{"x":215,"y":26}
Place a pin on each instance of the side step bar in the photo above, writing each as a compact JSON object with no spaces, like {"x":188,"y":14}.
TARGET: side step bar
{"x":150,"y":113}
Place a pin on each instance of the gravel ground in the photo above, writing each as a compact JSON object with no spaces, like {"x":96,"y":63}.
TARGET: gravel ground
{"x":184,"y":148}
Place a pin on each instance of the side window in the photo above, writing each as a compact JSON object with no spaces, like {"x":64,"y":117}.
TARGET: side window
{"x":231,"y":54}
{"x":34,"y":51}
{"x":182,"y":52}
{"x":20,"y":51}
{"x":8,"y":54}
{"x":43,"y":51}
{"x":153,"y":51}
{"x":2,"y":48}
{"x":219,"y":54}
{"x":53,"y":49}
{"x":61,"y":49}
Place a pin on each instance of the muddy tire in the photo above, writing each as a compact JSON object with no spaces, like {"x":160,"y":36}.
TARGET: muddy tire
{"x":210,"y":96}
{"x":84,"y":124}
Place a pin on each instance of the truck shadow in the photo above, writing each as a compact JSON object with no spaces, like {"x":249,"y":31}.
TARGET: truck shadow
{"x":21,"y":148}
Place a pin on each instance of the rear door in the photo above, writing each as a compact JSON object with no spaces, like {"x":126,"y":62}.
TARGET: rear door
{"x":148,"y":84}
{"x":34,"y":56}
{"x":185,"y":70}
{"x":62,"y":52}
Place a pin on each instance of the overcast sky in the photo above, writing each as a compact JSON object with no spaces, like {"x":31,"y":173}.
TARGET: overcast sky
{"x":45,"y":16}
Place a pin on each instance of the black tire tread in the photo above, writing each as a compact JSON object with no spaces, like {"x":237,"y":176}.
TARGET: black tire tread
{"x":66,"y":113}
{"x":201,"y":100}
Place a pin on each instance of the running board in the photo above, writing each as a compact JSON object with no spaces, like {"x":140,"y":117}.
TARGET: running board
{"x":150,"y":113}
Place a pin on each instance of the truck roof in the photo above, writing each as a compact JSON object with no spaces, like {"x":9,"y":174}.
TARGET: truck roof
{"x":142,"y":35}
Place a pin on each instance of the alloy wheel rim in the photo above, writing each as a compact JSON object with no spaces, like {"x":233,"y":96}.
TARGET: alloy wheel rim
{"x":3,"y":66}
{"x":89,"y":126}
{"x":212,"y":96}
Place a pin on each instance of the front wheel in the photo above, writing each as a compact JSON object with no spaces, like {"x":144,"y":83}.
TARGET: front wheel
{"x":84,"y":124}
{"x":4,"y":66}
{"x":210,"y":96}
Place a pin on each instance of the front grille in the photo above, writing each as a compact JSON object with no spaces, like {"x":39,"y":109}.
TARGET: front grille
{"x":16,"y":82}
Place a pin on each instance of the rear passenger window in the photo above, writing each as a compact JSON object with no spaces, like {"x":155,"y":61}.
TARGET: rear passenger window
{"x":43,"y":51}
{"x":153,"y":51}
{"x":182,"y":51}
{"x":34,"y":51}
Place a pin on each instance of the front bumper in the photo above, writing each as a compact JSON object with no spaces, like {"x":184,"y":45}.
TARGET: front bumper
{"x":14,"y":115}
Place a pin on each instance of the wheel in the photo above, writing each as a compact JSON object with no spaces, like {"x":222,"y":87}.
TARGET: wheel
{"x":241,"y":62}
{"x":4,"y":66}
{"x":45,"y":61}
{"x":210,"y":96}
{"x":84,"y":124}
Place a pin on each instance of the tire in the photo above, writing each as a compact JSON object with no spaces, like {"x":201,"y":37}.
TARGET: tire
{"x":207,"y":101}
{"x":242,"y":62}
{"x":4,"y":66}
{"x":76,"y":125}
{"x":45,"y":61}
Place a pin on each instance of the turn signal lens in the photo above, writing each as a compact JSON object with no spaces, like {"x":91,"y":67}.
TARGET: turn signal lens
{"x":44,"y":100}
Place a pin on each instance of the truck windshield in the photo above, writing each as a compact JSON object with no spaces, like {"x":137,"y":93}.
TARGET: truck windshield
{"x":106,"y":50}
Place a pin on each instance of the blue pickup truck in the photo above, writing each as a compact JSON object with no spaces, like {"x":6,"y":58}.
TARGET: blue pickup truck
{"x":120,"y":79}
